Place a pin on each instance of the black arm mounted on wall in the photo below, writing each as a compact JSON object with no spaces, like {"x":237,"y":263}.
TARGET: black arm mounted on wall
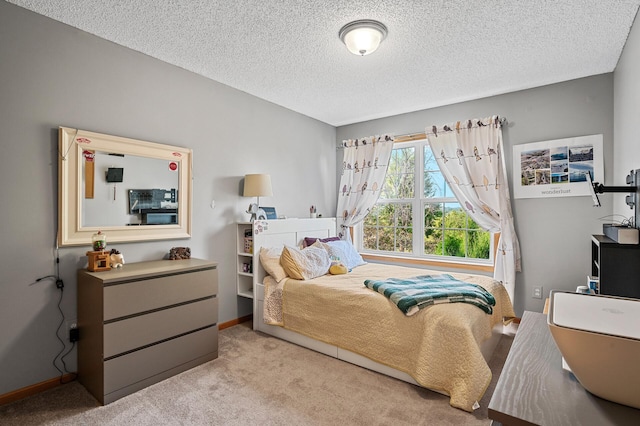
{"x":632,"y":189}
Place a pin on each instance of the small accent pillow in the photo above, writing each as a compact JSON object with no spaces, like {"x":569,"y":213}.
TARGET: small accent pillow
{"x":337,"y":268}
{"x":305,"y":264}
{"x":270,"y":260}
{"x":308,"y":241}
{"x":343,"y":251}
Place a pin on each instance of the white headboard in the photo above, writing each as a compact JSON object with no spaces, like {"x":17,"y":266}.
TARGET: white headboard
{"x":276,"y":233}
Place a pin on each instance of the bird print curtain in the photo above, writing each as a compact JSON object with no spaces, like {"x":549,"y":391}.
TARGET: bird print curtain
{"x":364,"y":168}
{"x":469,"y":155}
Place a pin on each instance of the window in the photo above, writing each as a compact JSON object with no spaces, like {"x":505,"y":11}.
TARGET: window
{"x":417,"y":214}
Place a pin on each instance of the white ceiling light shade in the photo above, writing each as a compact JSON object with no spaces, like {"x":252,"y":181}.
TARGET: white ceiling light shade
{"x":363,"y":37}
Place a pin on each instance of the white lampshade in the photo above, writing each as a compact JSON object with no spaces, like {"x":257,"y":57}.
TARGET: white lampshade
{"x":257,"y":185}
{"x":363,"y":37}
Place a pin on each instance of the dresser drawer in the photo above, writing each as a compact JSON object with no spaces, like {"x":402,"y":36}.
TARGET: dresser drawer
{"x":127,"y":369}
{"x":139,"y":331}
{"x":134,"y":297}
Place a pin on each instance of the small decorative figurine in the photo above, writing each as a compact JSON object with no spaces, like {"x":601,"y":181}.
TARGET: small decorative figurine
{"x":256,"y":212}
{"x":116,"y":259}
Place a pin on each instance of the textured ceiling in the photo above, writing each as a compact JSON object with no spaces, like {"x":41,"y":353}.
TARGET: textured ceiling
{"x":437,"y":52}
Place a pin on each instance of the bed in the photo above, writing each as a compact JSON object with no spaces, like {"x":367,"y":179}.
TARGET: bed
{"x":444,"y":347}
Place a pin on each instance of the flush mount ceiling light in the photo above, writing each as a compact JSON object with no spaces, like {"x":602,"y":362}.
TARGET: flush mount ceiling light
{"x":363,"y":37}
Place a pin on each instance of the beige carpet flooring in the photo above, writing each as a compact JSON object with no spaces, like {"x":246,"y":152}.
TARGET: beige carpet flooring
{"x":259,"y":380}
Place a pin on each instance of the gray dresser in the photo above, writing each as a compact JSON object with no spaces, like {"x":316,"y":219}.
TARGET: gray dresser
{"x":145,"y":322}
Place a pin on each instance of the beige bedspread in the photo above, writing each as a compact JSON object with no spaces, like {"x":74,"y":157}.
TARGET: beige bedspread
{"x":438,"y":347}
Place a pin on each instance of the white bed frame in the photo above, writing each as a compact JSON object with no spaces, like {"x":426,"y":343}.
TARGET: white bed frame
{"x":273,"y":233}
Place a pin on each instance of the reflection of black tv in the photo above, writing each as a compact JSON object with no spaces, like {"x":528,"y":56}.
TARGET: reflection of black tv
{"x":140,"y":199}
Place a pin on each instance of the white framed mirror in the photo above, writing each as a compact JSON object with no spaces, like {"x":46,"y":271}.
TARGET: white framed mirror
{"x":129,"y":189}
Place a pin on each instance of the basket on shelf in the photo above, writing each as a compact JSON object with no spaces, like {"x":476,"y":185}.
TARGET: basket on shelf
{"x":248,"y":244}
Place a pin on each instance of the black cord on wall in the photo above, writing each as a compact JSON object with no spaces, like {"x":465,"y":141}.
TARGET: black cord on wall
{"x":615,"y":218}
{"x":62,"y":354}
{"x":58,"y":336}
{"x":64,"y":345}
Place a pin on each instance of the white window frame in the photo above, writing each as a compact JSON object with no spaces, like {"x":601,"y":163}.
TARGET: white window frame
{"x":418,"y":204}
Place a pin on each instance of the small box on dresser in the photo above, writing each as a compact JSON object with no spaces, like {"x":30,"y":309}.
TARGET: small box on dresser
{"x":144,"y":323}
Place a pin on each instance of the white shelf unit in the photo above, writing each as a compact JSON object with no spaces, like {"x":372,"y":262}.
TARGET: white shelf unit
{"x":267,"y":233}
{"x":244,"y":280}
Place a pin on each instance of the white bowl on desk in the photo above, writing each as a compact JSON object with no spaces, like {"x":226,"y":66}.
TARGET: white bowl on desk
{"x":599,"y":338}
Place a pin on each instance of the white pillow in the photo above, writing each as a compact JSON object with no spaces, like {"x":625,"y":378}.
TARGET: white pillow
{"x":305,"y":264}
{"x":270,"y":260}
{"x":344,"y":251}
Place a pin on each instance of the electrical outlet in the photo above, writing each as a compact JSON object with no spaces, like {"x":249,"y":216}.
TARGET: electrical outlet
{"x":537,"y":292}
{"x":74,"y":334}
{"x":72,"y":324}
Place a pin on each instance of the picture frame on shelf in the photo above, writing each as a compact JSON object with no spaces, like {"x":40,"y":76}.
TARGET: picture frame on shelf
{"x":271,"y":212}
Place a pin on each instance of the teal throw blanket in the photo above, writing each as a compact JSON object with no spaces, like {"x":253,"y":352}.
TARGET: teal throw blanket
{"x":413,"y":294}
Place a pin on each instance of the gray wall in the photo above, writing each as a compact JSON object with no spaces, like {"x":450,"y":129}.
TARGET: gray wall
{"x":554,"y":233}
{"x":53,"y":75}
{"x":626,"y":107}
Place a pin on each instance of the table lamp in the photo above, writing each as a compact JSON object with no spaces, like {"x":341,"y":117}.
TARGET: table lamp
{"x":257,"y":185}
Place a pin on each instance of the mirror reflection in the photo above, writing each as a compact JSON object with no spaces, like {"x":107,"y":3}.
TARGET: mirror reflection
{"x":128,"y":190}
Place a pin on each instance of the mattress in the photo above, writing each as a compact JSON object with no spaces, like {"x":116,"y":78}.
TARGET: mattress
{"x":439,"y":346}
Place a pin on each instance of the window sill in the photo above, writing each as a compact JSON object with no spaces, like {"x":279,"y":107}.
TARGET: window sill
{"x":427,"y":262}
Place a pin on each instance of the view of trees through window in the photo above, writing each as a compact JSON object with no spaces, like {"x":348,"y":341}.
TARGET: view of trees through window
{"x":418,"y":214}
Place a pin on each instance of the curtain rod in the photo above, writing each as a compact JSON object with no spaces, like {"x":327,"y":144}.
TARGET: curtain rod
{"x":408,"y":137}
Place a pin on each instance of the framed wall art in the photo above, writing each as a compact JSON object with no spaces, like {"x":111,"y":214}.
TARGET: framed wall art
{"x":557,"y":168}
